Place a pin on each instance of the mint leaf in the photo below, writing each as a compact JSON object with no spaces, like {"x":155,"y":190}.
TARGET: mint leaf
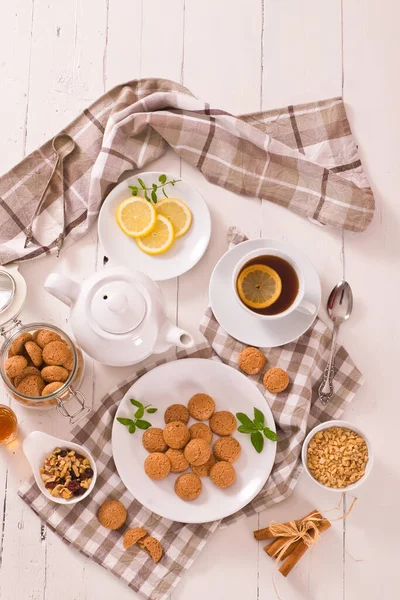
{"x":141,"y":183}
{"x":259,"y":426}
{"x":140,"y":412}
{"x":258,"y":416}
{"x":245,"y":420}
{"x":271,"y":435}
{"x":162,"y":179}
{"x":142,"y":424}
{"x":257,"y":440}
{"x":132,"y":428}
{"x":146,"y":196}
{"x":151,"y":410}
{"x":136,"y":403}
{"x":126,"y":422}
{"x":154,"y":196}
{"x":244,"y":429}
{"x":134,"y":189}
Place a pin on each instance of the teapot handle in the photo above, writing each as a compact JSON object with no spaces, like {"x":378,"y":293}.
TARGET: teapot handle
{"x":63,"y":288}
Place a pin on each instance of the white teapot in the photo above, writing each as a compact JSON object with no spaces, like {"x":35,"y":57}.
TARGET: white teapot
{"x":118,"y":316}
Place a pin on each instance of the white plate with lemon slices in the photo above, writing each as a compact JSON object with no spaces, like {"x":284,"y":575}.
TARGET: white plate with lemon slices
{"x":163,"y":239}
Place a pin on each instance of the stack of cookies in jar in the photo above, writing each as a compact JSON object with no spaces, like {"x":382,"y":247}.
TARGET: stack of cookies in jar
{"x":39,"y":363}
{"x":189,"y":450}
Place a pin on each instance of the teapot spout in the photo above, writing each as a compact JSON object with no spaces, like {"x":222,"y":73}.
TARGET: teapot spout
{"x":173,"y":336}
{"x":65,"y":289}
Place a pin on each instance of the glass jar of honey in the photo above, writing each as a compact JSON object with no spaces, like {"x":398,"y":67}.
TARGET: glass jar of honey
{"x":8,"y":425}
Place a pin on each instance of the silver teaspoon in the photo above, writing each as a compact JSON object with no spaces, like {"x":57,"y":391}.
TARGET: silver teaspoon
{"x":339,"y":306}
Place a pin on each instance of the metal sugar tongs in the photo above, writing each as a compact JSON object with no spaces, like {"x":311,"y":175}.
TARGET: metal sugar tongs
{"x":63,"y":146}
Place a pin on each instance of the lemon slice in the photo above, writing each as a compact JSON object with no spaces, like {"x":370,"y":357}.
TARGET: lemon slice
{"x":136,"y":216}
{"x":160,"y":239}
{"x":177,"y":212}
{"x":259,"y":286}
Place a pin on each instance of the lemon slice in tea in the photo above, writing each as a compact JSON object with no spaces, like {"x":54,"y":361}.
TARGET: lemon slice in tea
{"x":259,"y":286}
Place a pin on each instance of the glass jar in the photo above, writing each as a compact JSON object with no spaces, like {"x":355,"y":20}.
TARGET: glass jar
{"x":11,"y":329}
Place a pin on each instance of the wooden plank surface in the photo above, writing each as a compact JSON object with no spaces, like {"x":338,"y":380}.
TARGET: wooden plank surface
{"x":57,"y":58}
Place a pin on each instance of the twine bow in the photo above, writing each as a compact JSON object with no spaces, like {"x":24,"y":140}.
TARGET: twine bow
{"x":305,"y":530}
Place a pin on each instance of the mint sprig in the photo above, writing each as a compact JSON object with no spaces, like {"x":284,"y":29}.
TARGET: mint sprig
{"x":138,"y":422}
{"x":154,"y":189}
{"x":256,"y":428}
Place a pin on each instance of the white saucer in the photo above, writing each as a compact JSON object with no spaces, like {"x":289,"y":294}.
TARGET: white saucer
{"x":238,"y":322}
{"x":185,"y":252}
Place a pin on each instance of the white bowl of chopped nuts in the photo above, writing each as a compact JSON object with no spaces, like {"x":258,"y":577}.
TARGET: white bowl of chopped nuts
{"x":337,"y":456}
{"x":64,"y":472}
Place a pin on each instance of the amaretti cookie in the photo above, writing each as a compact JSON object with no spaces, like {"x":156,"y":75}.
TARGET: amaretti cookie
{"x":18,"y":345}
{"x":223,"y":423}
{"x":197,"y":452}
{"x":176,"y":435}
{"x":223,"y":474}
{"x":55,"y":353}
{"x":112,"y":514}
{"x":55,"y":373}
{"x":15,"y":365}
{"x":204,"y":470}
{"x":201,"y":407}
{"x":157,"y":466}
{"x":152,"y":546}
{"x":32,"y":385}
{"x":276,"y":380}
{"x":132,"y":536}
{"x":179,"y":462}
{"x":27,"y":371}
{"x":201,"y":431}
{"x":176,"y":412}
{"x":34,"y":352}
{"x":188,"y":486}
{"x":153,"y":440}
{"x":251,"y":361}
{"x":227,"y":448}
{"x":52,"y":387}
{"x":45,"y":336}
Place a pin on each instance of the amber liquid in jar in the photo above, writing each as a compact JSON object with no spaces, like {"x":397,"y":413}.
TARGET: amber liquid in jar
{"x":8,"y":425}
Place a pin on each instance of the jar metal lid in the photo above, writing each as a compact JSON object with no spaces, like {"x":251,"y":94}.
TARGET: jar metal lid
{"x":12,"y":294}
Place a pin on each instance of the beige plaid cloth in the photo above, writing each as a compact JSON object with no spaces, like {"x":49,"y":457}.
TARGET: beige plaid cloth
{"x":294,"y":411}
{"x":303,"y":158}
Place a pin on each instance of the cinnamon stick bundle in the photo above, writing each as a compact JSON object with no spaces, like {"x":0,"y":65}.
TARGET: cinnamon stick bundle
{"x":296,"y":554}
{"x":265,"y":534}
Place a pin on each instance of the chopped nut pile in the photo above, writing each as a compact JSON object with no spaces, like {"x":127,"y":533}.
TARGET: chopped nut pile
{"x":337,"y":457}
{"x":66,"y":473}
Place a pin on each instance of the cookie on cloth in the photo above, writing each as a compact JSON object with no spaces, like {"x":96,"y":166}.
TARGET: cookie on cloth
{"x":152,"y":546}
{"x":276,"y":380}
{"x":132,"y":536}
{"x":112,"y":514}
{"x":251,"y":361}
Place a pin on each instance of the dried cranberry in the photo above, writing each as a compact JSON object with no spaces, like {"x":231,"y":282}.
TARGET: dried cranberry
{"x":63,"y":453}
{"x":73,"y":486}
{"x":89,"y":472}
{"x":79,"y":491}
{"x":50,"y":485}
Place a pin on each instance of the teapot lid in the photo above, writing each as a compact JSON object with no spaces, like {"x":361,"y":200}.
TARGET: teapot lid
{"x":118,"y":307}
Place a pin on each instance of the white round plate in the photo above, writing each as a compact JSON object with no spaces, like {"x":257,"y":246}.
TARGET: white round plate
{"x":184,"y":253}
{"x":176,"y":382}
{"x":238,"y":322}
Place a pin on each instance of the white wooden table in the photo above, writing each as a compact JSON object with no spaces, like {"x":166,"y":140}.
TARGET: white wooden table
{"x":57,"y":57}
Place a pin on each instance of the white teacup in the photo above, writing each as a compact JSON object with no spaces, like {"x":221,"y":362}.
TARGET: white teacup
{"x":298,"y":304}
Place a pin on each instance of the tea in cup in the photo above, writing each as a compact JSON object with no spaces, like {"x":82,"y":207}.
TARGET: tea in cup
{"x":270,"y":284}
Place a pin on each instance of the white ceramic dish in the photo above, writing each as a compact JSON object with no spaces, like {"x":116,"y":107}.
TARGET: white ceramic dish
{"x":176,"y":382}
{"x":246,"y":327}
{"x":38,"y":445}
{"x":347,"y":425}
{"x":185,"y":252}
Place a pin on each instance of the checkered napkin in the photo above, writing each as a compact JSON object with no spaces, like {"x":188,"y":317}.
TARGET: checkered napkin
{"x":294,"y":411}
{"x":303,"y":158}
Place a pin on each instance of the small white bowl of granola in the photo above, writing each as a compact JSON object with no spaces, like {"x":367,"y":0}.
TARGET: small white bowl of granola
{"x":64,"y":472}
{"x":337,"y":456}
